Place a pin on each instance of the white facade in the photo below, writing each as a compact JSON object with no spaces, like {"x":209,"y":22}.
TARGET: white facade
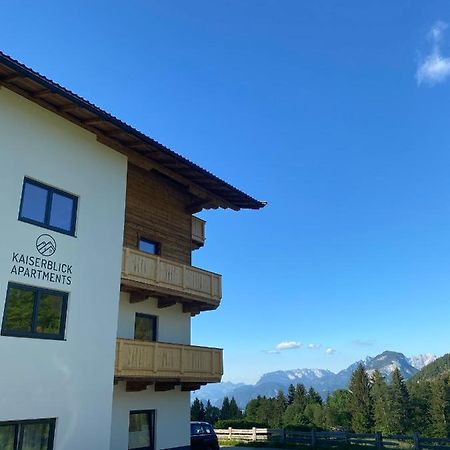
{"x":71,"y":379}
{"x":172,"y":407}
{"x":172,"y":416}
{"x":174,"y":326}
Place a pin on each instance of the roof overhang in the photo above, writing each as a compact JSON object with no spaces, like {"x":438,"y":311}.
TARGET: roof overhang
{"x":209,"y":190}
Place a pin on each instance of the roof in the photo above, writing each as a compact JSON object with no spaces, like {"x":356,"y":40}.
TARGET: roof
{"x":113,"y":132}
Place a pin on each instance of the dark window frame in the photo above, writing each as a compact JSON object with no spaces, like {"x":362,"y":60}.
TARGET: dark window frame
{"x":48,"y":207}
{"x":152,"y":420}
{"x":155,"y":328}
{"x":149,"y":241}
{"x":37,"y":292}
{"x":18,"y":430}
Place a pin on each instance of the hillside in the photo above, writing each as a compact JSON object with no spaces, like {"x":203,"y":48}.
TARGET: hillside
{"x":440,"y":366}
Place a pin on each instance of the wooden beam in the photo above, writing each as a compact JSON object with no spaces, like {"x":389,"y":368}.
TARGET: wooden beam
{"x":69,"y":107}
{"x":165,"y":302}
{"x":12,"y":77}
{"x":43,"y":93}
{"x":136,"y":386}
{"x":193,"y":309}
{"x":191,"y":386}
{"x":93,"y":121}
{"x":114,"y":134}
{"x":138,"y":296}
{"x":163,"y":386}
{"x":197,"y":206}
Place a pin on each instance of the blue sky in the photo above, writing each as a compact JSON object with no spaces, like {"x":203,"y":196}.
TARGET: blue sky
{"x":335,"y":112}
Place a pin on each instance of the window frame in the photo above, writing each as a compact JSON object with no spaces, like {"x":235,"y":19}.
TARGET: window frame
{"x":48,"y":207}
{"x":37,"y":292}
{"x":18,"y":430}
{"x":152,"y":415}
{"x":149,"y":241}
{"x":155,"y":328}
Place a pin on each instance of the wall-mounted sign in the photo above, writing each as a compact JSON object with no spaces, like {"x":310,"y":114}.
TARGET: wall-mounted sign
{"x":46,"y":245}
{"x":42,"y":268}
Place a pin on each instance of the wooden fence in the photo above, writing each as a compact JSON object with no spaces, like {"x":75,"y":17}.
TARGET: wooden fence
{"x":325,"y":438}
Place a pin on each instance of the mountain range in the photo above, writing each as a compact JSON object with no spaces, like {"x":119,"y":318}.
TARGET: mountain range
{"x":322,"y":380}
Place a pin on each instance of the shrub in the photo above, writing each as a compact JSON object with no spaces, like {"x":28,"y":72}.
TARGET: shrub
{"x":239,"y":424}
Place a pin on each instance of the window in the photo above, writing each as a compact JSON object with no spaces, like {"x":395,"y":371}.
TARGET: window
{"x":201,"y":428}
{"x":145,"y":327}
{"x":141,"y":434}
{"x":48,"y":207}
{"x":34,"y":312}
{"x":27,"y":435}
{"x":148,"y":246}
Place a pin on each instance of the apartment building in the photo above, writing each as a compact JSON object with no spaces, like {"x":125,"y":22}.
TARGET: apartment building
{"x":97,"y":289}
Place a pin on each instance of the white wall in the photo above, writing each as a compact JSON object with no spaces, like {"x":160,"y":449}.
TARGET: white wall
{"x":71,"y":379}
{"x":172,"y":407}
{"x":174,"y":326}
{"x":172,"y":416}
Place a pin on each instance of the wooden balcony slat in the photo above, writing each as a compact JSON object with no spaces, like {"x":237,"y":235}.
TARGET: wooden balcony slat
{"x":159,"y":361}
{"x":170,"y":277}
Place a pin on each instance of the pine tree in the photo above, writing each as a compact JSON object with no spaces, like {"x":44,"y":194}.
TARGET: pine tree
{"x":212,"y":413}
{"x":313,"y":397}
{"x":294,"y":415}
{"x":361,"y":404}
{"x":197,"y":410}
{"x":399,"y":406}
{"x":225,"y":410}
{"x":314,"y":414}
{"x":338,"y":410}
{"x":280,"y":405}
{"x":419,"y":399}
{"x":234,"y":412}
{"x":252,"y":408}
{"x":300,"y":396}
{"x":291,"y":394}
{"x":440,"y":408}
{"x":380,"y":400}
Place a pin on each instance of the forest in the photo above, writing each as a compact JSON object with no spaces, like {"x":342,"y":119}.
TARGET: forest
{"x":370,"y":404}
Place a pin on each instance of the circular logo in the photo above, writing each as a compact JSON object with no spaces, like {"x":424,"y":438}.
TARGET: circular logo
{"x":45,"y":245}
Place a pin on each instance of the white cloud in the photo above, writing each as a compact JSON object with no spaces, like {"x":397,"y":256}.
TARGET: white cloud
{"x":288,"y":345}
{"x":437,"y":31}
{"x":434,"y":68}
{"x":314,"y":346}
{"x":272,"y":352}
{"x":330,"y":350}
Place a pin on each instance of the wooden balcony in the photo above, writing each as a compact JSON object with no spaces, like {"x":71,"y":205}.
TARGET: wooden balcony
{"x":142,"y":363}
{"x":198,"y":233}
{"x":145,"y":275}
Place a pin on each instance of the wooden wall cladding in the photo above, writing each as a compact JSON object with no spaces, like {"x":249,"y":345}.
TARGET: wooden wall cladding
{"x":156,"y":210}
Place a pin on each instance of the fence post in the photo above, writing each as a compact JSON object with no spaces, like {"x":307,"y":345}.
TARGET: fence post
{"x":313,"y":438}
{"x":378,"y":440}
{"x":254,"y":434}
{"x":230,"y":433}
{"x":283,"y":435}
{"x":416,"y":441}
{"x":347,"y":438}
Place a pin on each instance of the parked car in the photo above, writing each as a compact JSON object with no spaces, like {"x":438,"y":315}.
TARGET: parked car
{"x":203,"y":436}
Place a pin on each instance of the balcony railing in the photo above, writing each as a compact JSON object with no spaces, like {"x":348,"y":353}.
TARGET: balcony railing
{"x":157,"y":361}
{"x":160,"y":276}
{"x":198,"y":232}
